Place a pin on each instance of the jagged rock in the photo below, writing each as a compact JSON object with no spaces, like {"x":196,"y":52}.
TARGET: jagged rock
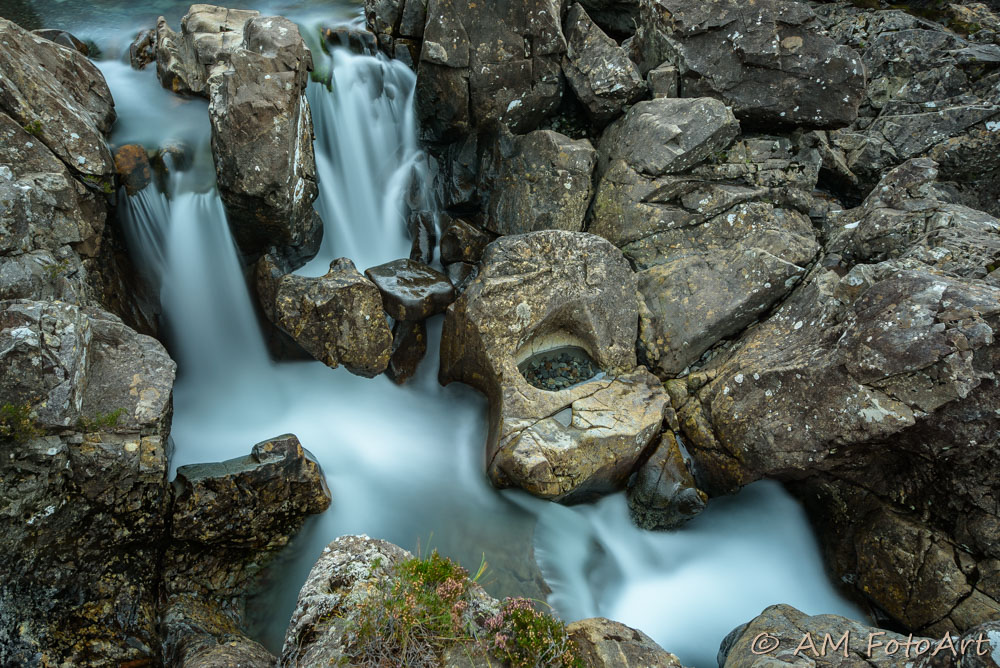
{"x":608,"y":644}
{"x":461,"y":274}
{"x":598,"y":70}
{"x":769,"y":61}
{"x":614,"y":16}
{"x":663,"y":81}
{"x":663,"y":494}
{"x":538,"y":292}
{"x":142,"y":50}
{"x":45,"y":276}
{"x":63,"y":38}
{"x":423,"y":235}
{"x":903,"y":217}
{"x":411,"y":290}
{"x":68,"y":109}
{"x":133,"y":168}
{"x":254,"y":70}
{"x":199,"y":635}
{"x":336,"y":318}
{"x":537,"y":181}
{"x":409,"y":345}
{"x":716,"y":242}
{"x":84,"y":485}
{"x":773,"y":637}
{"x":463,"y":242}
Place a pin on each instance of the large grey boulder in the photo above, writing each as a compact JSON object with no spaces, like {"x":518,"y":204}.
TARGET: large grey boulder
{"x":254,"y":70}
{"x":598,"y":70}
{"x":768,"y":60}
{"x":538,"y":293}
{"x":83,"y":465}
{"x":538,"y":181}
{"x":337,"y":318}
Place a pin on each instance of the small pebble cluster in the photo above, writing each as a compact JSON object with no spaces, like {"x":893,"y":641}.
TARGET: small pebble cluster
{"x":559,"y":369}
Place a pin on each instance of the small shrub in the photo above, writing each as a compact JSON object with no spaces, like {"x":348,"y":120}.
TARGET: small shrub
{"x":33,"y":128}
{"x":101,"y":421}
{"x":527,"y":638}
{"x":16,"y":423}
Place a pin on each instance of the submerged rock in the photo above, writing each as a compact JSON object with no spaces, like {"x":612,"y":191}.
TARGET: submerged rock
{"x":337,"y":318}
{"x":769,"y":60}
{"x":537,"y":292}
{"x":411,"y":290}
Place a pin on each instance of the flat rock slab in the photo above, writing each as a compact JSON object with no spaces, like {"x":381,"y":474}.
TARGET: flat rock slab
{"x":411,"y":290}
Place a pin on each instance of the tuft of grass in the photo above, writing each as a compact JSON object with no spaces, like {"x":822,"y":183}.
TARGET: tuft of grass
{"x":101,"y":421}
{"x":33,"y":128}
{"x":16,"y":423}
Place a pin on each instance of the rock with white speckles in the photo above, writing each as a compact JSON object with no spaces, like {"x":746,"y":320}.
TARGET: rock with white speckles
{"x":539,"y":292}
{"x":769,"y":60}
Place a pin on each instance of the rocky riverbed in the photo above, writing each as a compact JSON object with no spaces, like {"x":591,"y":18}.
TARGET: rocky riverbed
{"x":679,"y":246}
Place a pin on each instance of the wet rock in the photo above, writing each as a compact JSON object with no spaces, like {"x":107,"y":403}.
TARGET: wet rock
{"x":537,"y":292}
{"x":84,"y":485}
{"x":663,"y":493}
{"x":142,"y":50}
{"x":68,"y":109}
{"x":423,"y":235}
{"x":461,"y":274}
{"x":337,"y":318}
{"x":538,"y":181}
{"x":598,"y":70}
{"x":606,"y":643}
{"x":410,"y":290}
{"x":63,"y":38}
{"x":786,"y":628}
{"x":463,"y":242}
{"x":769,"y":61}
{"x":254,"y":70}
{"x":133,"y":168}
{"x":356,"y":41}
{"x":409,"y":345}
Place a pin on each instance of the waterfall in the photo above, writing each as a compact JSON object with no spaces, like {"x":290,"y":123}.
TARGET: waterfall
{"x":406,"y":463}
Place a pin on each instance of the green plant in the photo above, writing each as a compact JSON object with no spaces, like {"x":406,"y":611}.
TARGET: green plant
{"x":101,"y":421}
{"x":527,"y":638}
{"x":56,"y":269}
{"x":16,"y":423}
{"x":33,"y":128}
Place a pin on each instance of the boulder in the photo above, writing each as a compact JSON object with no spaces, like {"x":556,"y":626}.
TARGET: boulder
{"x":663,"y":494}
{"x":598,"y":70}
{"x":463,"y":242}
{"x":337,"y":318}
{"x":664,"y":81}
{"x":63,"y":38}
{"x":142,"y":50}
{"x":604,"y":643}
{"x":538,"y":181}
{"x":254,"y":70}
{"x":783,"y":635}
{"x":68,"y":109}
{"x":409,"y":345}
{"x":769,"y":60}
{"x":199,"y":635}
{"x":537,"y":293}
{"x":411,"y":290}
{"x":83,"y":466}
{"x":133,"y":168}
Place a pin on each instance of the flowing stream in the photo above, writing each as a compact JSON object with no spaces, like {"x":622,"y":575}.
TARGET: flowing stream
{"x":406,"y":463}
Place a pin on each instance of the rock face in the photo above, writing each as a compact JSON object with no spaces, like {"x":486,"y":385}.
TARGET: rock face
{"x":538,"y":181}
{"x":784,"y":629}
{"x":411,"y":290}
{"x":872,"y":389}
{"x":229,"y":519}
{"x":663,"y":494}
{"x":769,"y":61}
{"x":84,"y":484}
{"x":603,"y":642}
{"x":254,"y":70}
{"x":337,"y":318}
{"x":537,"y":292}
{"x":598,"y":70}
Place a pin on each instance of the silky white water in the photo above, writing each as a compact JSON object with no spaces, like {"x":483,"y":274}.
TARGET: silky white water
{"x":406,"y":463}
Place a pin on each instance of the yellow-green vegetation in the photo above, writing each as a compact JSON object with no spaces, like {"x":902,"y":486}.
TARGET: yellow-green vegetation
{"x":101,"y":421}
{"x":424,"y":607}
{"x":56,"y":269}
{"x":16,"y":423}
{"x":33,"y":128}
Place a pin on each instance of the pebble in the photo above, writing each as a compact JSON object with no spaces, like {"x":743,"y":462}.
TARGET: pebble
{"x":558,"y":370}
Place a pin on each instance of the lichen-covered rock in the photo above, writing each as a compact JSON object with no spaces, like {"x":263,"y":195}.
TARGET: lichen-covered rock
{"x":769,"y":60}
{"x":773,"y":637}
{"x":84,"y":485}
{"x":200,"y":635}
{"x":59,"y":96}
{"x":538,"y":292}
{"x":337,"y":318}
{"x":605,"y":643}
{"x":411,"y":290}
{"x":537,"y":181}
{"x":133,"y":168}
{"x":663,"y":494}
{"x":598,"y":70}
{"x":254,"y":70}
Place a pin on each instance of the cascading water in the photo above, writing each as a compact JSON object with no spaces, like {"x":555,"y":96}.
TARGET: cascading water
{"x":406,"y":463}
